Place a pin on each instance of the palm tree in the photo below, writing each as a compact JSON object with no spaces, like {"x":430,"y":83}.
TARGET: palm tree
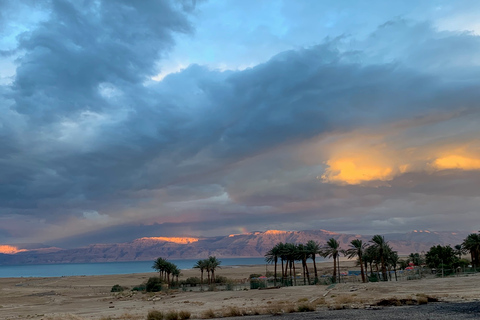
{"x":370,"y":256}
{"x":459,"y":250}
{"x":357,"y":249}
{"x":213,"y":264}
{"x":381,"y":246}
{"x":393,"y":261}
{"x":290,"y":252}
{"x":313,"y":248}
{"x":272,"y":256}
{"x":332,"y":250}
{"x":302,"y":254}
{"x":472,"y":244}
{"x":160,"y":266}
{"x":200,"y":264}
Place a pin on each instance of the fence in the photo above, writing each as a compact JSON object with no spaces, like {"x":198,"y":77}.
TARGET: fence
{"x":353,"y":277}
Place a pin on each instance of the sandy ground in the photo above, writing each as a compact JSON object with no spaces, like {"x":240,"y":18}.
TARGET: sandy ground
{"x":89,"y":297}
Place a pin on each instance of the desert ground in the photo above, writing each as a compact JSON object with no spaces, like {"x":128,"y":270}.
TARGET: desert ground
{"x":89,"y":297}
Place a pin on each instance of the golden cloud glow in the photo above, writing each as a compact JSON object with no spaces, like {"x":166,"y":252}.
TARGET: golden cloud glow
{"x":355,"y":171}
{"x":456,"y":162}
{"x":10,"y":249}
{"x":376,"y":156}
{"x":179,"y":240}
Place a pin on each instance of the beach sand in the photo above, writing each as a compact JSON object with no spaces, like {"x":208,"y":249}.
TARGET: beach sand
{"x":89,"y":297}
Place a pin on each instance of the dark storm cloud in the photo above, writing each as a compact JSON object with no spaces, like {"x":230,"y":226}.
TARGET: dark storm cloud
{"x":85,"y":130}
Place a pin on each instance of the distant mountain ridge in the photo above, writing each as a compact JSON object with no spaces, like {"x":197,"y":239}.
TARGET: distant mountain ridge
{"x":253,"y":244}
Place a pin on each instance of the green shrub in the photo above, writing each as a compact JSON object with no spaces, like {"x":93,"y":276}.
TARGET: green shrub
{"x":193,"y":281}
{"x":154,"y":284}
{"x":155,"y":315}
{"x":117,"y":288}
{"x":221,"y":280}
{"x":141,"y":287}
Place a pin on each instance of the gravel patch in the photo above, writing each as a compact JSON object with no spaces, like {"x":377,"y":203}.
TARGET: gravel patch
{"x":437,"y":311}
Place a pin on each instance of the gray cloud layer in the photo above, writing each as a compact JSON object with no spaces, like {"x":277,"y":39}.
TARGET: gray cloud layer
{"x":90,"y":144}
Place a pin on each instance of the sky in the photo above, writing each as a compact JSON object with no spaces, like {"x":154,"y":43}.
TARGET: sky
{"x":125,"y":119}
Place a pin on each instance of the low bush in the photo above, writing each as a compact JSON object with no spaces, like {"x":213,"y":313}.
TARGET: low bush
{"x":155,"y":315}
{"x":233,"y":312}
{"x":208,"y":314}
{"x":221,"y":280}
{"x":141,"y":287}
{"x":193,"y":281}
{"x":154,"y":284}
{"x":171,"y":315}
{"x":183,"y":315}
{"x":117,"y":288}
{"x":305,"y":308}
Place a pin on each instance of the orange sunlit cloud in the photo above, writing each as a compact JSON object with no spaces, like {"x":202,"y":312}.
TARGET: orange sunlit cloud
{"x":10,"y":249}
{"x":360,"y":157}
{"x":457,"y":162}
{"x":352,"y":171}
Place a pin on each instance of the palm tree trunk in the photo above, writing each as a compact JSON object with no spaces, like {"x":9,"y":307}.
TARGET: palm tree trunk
{"x":275,"y":274}
{"x":315,"y":268}
{"x":308,"y":273}
{"x":334,"y":278}
{"x":384,"y":269}
{"x":294,"y":273}
{"x":361,"y":269}
{"x":338,"y":266}
{"x":303,"y":269}
{"x":290,"y":262}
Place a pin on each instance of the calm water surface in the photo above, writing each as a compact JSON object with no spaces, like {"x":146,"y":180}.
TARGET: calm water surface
{"x":90,"y":269}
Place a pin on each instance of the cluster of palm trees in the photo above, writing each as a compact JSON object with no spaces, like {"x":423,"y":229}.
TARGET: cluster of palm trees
{"x":165,"y":269}
{"x":378,"y":253}
{"x":209,"y":265}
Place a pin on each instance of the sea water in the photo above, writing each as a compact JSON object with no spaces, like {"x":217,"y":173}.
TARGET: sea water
{"x":91,"y":269}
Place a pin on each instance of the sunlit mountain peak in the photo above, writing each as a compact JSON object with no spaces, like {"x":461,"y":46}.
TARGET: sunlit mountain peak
{"x":179,"y":240}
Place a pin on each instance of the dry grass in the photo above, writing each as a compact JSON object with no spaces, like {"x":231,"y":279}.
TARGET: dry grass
{"x":183,"y":315}
{"x":208,"y":314}
{"x":155,"y":315}
{"x":233,"y":312}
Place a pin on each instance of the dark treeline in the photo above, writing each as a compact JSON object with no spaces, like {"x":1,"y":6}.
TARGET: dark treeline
{"x":376,"y":258}
{"x":377,"y":253}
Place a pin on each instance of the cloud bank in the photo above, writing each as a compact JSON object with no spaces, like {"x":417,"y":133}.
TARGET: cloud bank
{"x":376,"y":132}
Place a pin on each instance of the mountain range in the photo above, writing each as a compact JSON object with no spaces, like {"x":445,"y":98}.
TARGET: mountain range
{"x":254,"y":244}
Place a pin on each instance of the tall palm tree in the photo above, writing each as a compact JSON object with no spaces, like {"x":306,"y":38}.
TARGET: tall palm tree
{"x":370,"y":256}
{"x":160,"y":265}
{"x":357,"y":249}
{"x":272,"y":256}
{"x":302,"y":254}
{"x":472,"y":244}
{"x":381,"y":246}
{"x":213,"y":263}
{"x":313,"y":249}
{"x":393,"y":261}
{"x":332,"y":250}
{"x":200,"y":264}
{"x":290,"y":252}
